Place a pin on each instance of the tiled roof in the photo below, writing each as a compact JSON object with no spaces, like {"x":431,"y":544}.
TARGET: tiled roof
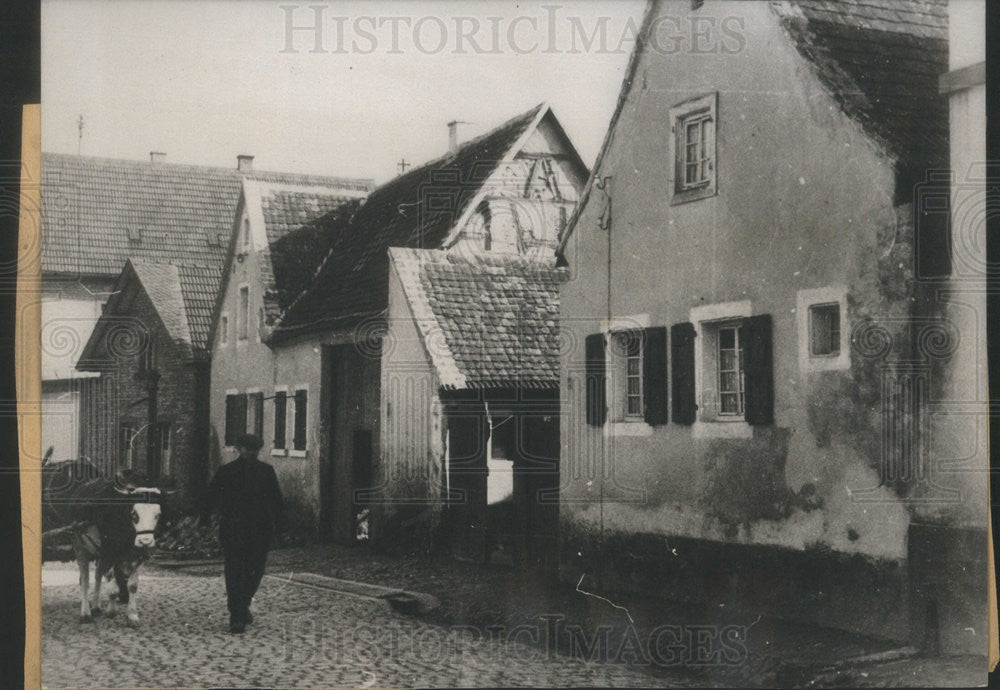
{"x":416,"y":209}
{"x":295,"y":256}
{"x":199,"y":286}
{"x":881,"y":59}
{"x":98,"y":212}
{"x":182,"y":295}
{"x":296,"y":243}
{"x":487,"y":321}
{"x":162,"y":283}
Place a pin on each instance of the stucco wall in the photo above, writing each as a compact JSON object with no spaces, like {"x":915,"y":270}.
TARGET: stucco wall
{"x":250,"y":365}
{"x":804,"y":201}
{"x":412,"y":448}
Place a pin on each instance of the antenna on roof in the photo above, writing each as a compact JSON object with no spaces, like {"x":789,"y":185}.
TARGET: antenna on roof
{"x":403,"y":165}
{"x":79,"y":138}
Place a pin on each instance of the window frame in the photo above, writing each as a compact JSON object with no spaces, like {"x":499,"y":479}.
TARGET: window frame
{"x":740,"y":371}
{"x":128,"y":450}
{"x":805,"y":300}
{"x":700,"y":109}
{"x":708,"y":320}
{"x":619,"y":361}
{"x":615,"y":425}
{"x":166,"y":453}
{"x":254,"y":394}
{"x":814,"y":312}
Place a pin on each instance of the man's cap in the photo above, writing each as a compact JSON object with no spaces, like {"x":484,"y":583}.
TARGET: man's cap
{"x":249,"y":441}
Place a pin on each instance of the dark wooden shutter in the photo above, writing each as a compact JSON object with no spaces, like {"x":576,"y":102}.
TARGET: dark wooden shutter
{"x":241,"y":416}
{"x":280,"y":405}
{"x":595,"y":376}
{"x":258,"y":415}
{"x":230,"y":419}
{"x":682,"y":355}
{"x":654,"y":375}
{"x":299,"y":439}
{"x":758,"y":369}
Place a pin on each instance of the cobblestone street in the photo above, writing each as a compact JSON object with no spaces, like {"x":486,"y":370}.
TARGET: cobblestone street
{"x":302,"y":637}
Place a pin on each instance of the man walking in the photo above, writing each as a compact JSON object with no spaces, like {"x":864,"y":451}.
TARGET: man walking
{"x":245,"y":492}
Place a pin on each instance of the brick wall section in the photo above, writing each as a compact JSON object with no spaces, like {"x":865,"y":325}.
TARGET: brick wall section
{"x":120,"y":397}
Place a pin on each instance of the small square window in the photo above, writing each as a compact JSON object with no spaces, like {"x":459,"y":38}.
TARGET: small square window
{"x":824,"y":330}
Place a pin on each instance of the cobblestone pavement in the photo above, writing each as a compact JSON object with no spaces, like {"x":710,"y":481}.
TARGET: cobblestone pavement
{"x":302,"y":637}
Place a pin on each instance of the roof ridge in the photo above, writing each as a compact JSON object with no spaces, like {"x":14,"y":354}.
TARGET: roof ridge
{"x":465,"y":146}
{"x":222,"y":171}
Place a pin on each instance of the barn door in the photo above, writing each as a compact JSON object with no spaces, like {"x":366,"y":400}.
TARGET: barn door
{"x":467,"y":472}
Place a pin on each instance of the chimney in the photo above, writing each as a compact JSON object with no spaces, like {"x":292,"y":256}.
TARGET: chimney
{"x":157,"y":157}
{"x":244,"y":163}
{"x":453,"y":135}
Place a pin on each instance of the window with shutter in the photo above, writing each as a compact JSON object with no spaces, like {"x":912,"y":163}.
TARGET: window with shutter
{"x":595,"y":369}
{"x":759,"y":368}
{"x":682,"y":337}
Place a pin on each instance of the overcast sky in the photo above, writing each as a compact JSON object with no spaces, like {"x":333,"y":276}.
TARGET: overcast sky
{"x":204,"y":81}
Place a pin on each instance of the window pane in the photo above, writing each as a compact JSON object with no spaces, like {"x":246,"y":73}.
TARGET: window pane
{"x":729,"y":403}
{"x":727,"y":337}
{"x":824,"y":329}
{"x":728,"y":360}
{"x":728,"y":382}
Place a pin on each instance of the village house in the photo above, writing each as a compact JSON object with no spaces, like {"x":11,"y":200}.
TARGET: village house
{"x":329,"y":412}
{"x":281,"y":233}
{"x":132,"y":256}
{"x":764,"y":403}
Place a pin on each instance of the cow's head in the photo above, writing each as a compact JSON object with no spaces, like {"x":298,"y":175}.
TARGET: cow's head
{"x":145,"y":514}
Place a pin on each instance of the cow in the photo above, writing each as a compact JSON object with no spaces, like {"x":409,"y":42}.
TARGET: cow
{"x":112,"y":522}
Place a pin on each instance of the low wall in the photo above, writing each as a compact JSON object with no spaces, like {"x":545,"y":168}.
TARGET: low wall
{"x":817,"y":586}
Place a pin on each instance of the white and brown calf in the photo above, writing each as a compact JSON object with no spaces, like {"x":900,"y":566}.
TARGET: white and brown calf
{"x":119,"y":548}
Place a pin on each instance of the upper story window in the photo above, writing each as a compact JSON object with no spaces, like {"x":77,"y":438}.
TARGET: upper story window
{"x":243,"y":317}
{"x":693,"y":124}
{"x":224,"y":329}
{"x":246,"y":234}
